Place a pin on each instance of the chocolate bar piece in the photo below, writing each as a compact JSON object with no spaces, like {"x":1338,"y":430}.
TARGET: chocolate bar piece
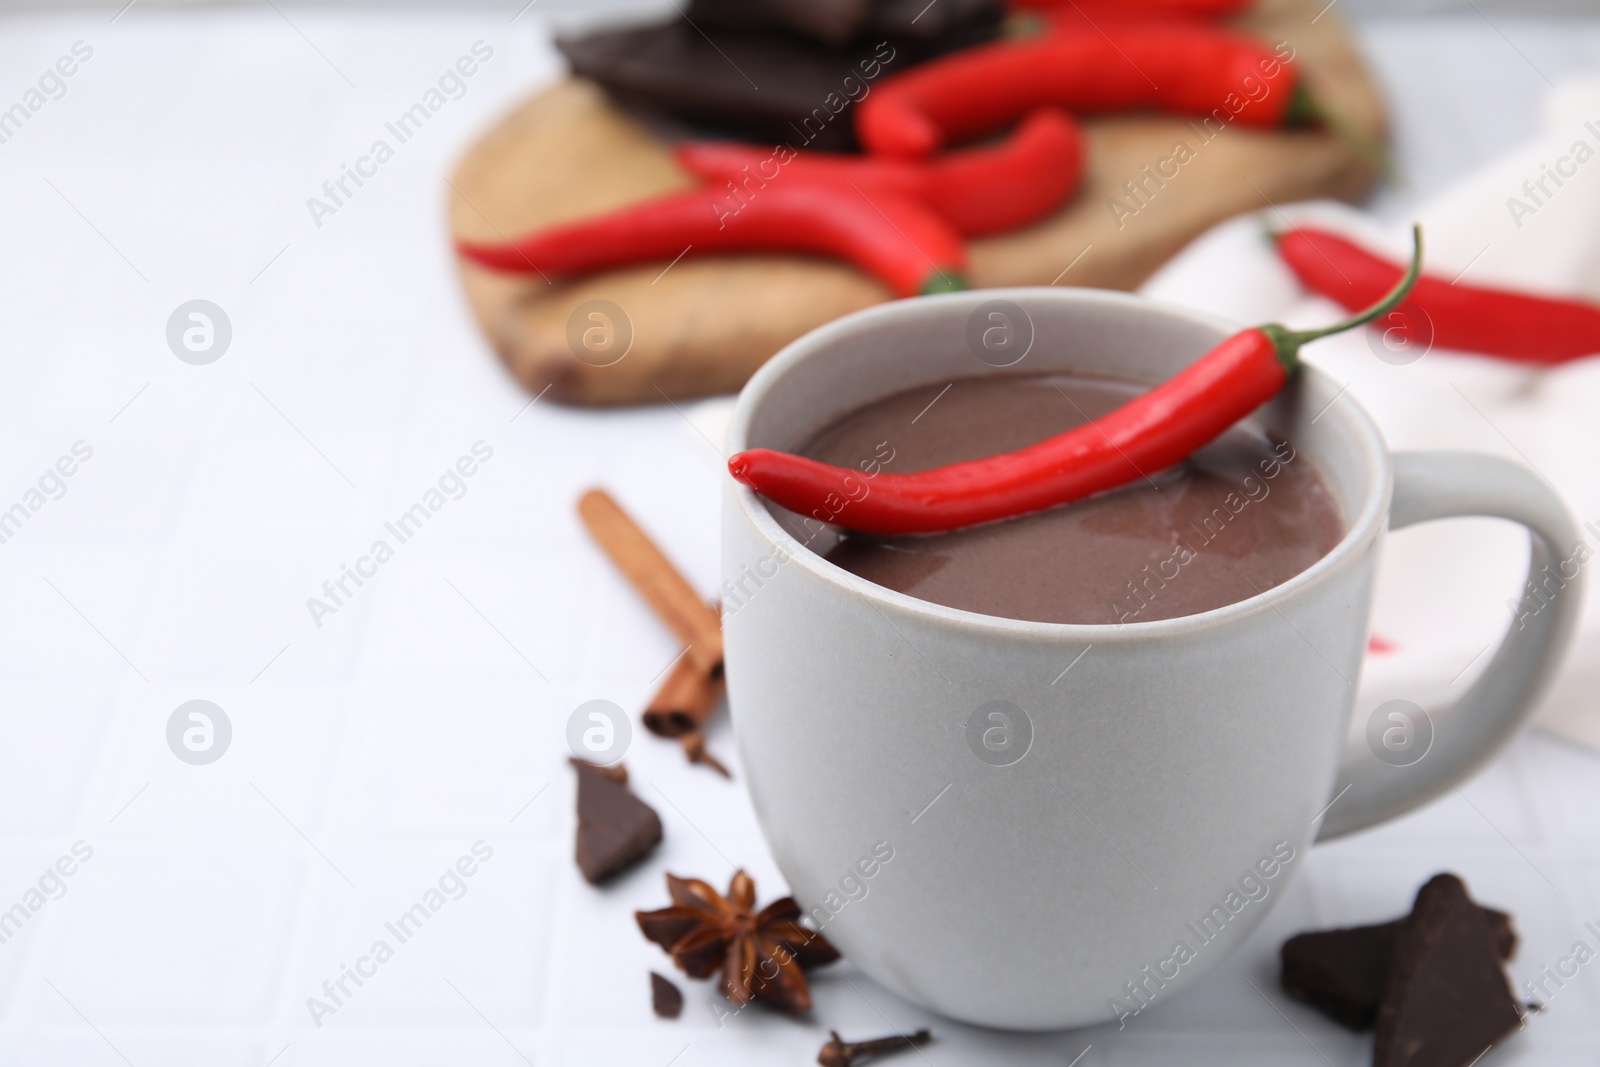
{"x":918,"y":20}
{"x":1342,"y":973}
{"x":832,"y":22}
{"x":615,"y":828}
{"x":762,"y":84}
{"x":1447,"y":1001}
{"x":835,"y":22}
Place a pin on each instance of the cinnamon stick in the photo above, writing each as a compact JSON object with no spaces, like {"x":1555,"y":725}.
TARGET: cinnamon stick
{"x":684,"y":701}
{"x":694,"y":684}
{"x":680,"y":708}
{"x":643,"y":564}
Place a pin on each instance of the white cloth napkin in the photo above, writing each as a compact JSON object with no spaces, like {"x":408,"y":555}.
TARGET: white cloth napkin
{"x":1443,"y":590}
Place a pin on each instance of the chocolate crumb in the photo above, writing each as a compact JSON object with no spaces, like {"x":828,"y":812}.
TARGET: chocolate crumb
{"x":665,"y":998}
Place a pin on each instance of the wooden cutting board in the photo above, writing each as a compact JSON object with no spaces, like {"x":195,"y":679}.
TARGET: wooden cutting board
{"x":704,"y":325}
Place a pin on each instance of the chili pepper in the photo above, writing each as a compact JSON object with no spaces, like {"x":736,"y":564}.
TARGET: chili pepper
{"x":979,"y":190}
{"x":1150,"y":432}
{"x":1498,"y":322}
{"x":1182,"y":67}
{"x":902,"y":243}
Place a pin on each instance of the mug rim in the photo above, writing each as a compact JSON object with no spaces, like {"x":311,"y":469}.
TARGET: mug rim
{"x":1353,"y":421}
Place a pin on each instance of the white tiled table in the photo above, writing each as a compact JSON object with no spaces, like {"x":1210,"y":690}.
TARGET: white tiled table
{"x":428,"y":713}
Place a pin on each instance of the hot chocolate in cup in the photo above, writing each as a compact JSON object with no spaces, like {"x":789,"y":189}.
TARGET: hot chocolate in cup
{"x":1040,"y":825}
{"x":1241,"y":515}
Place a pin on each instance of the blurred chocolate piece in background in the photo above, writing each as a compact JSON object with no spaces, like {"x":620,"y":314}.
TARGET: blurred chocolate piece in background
{"x":836,"y":22}
{"x":918,"y":20}
{"x":833,"y":22}
{"x":769,"y":84}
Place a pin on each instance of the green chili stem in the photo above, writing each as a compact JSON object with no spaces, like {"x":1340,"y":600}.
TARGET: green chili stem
{"x":944,"y":281}
{"x":1288,"y":342}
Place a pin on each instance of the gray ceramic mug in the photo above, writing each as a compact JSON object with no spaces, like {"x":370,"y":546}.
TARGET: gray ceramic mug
{"x":1015,"y":846}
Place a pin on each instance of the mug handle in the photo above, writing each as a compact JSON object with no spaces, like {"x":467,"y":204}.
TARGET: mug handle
{"x":1444,"y":485}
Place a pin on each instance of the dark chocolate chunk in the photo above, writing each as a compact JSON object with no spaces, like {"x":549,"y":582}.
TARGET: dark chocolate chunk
{"x":918,"y":20}
{"x":1447,"y":1000}
{"x":1342,"y":973}
{"x":1500,"y":929}
{"x":829,"y":21}
{"x":615,"y":828}
{"x":755,"y":82}
{"x":764,"y":84}
{"x":836,"y":22}
{"x":665,"y":998}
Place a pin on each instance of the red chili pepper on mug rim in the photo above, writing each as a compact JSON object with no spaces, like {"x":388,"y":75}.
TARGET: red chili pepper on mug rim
{"x":1148,"y":433}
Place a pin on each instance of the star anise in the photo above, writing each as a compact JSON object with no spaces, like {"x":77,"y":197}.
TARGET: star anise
{"x":763,"y":955}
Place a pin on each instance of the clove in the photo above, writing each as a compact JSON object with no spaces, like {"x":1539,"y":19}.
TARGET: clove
{"x":841,"y":1053}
